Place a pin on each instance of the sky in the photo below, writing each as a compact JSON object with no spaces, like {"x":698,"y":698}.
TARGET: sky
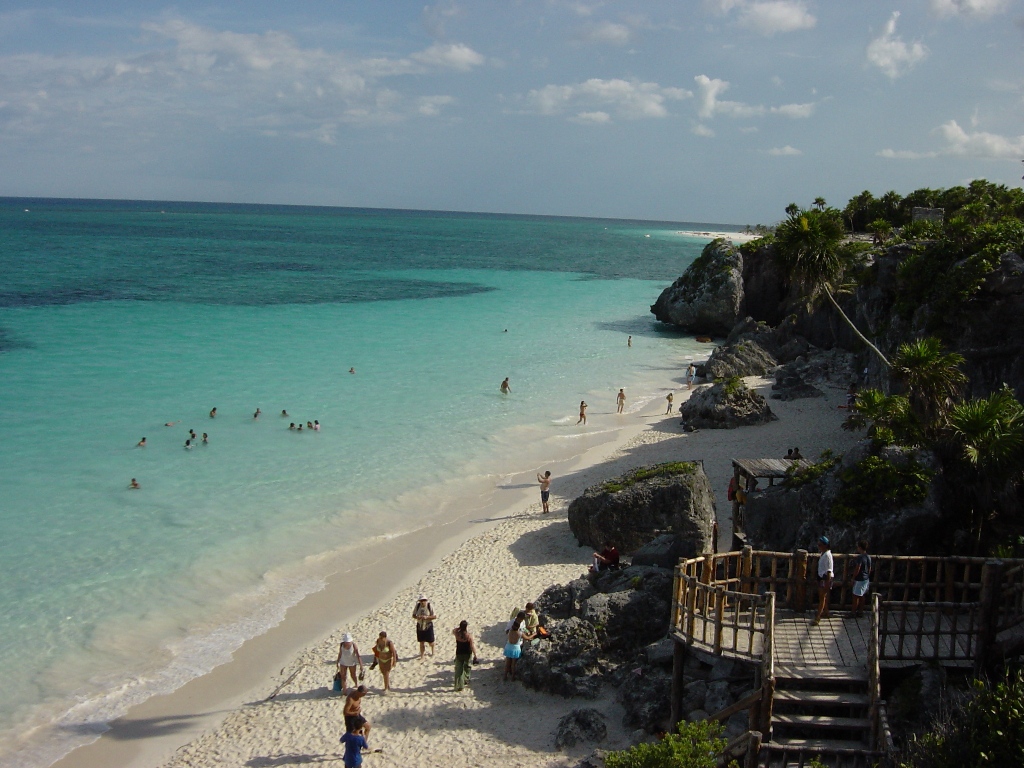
{"x":705,"y":110}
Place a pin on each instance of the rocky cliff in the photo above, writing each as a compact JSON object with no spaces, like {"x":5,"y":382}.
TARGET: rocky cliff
{"x":708,"y":297}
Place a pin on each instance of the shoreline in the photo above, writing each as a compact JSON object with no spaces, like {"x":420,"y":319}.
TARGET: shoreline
{"x":223,"y":711}
{"x":738,"y":237}
{"x":149,"y":731}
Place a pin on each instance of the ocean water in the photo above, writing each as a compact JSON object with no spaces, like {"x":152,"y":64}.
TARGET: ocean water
{"x":119,"y":317}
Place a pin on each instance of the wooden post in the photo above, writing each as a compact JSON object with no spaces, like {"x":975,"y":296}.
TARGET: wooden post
{"x":746,"y":562}
{"x":678,"y":683}
{"x":753,"y":750}
{"x":719,"y":618}
{"x":991,"y":580}
{"x":678,"y":591}
{"x":799,"y":599}
{"x":691,"y":609}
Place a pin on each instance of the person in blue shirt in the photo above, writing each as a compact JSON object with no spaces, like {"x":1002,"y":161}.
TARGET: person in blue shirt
{"x":355,"y":743}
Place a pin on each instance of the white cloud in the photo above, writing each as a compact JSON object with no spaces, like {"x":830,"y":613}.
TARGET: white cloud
{"x":190,"y":75}
{"x":452,"y":55}
{"x":592,"y":117}
{"x":977,"y":144}
{"x":786,"y":151}
{"x":889,"y":53}
{"x":436,"y":17}
{"x":608,"y":32}
{"x":766,"y":17}
{"x":980,"y":8}
{"x":709,"y":104}
{"x":980,"y":144}
{"x":702,"y":130}
{"x":630,"y":99}
{"x":430,"y":106}
{"x":771,"y":17}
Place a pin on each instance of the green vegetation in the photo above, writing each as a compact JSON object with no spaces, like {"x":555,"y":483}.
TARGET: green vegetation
{"x":797,"y":475}
{"x":874,"y":484}
{"x":646,"y":473}
{"x":708,"y":268}
{"x":733,"y":385}
{"x":986,"y":729}
{"x":694,"y":745}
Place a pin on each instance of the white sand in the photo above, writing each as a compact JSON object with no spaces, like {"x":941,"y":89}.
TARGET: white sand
{"x":736,"y":237}
{"x":423,"y":721}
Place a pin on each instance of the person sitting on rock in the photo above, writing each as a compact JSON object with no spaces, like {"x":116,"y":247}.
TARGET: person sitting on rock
{"x":606,"y":559}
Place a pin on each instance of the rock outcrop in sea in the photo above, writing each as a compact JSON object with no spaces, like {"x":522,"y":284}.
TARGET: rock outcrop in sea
{"x":708,"y":297}
{"x":633,"y":509}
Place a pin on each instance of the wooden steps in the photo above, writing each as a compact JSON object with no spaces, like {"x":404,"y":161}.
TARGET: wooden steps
{"x":786,"y":672}
{"x":824,"y":721}
{"x":825,"y":698}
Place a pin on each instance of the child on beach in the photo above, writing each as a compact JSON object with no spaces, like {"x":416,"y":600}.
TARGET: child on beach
{"x":354,"y":742}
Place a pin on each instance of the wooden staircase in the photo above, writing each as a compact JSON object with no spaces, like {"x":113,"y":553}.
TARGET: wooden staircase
{"x":819,"y":712}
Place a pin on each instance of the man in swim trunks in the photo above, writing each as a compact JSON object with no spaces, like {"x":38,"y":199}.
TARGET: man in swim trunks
{"x":545,"y":489}
{"x":505,"y":388}
{"x":620,"y":400}
{"x":354,"y":709}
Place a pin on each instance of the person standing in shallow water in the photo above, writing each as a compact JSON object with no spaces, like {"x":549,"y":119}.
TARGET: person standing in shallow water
{"x":583,"y":412}
{"x":629,"y":341}
{"x":620,"y":401}
{"x":669,"y":397}
{"x":545,"y":489}
{"x":505,"y":388}
{"x":465,"y":652}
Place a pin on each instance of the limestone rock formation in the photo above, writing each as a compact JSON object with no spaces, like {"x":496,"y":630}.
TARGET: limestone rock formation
{"x":635,"y":508}
{"x":743,"y":358}
{"x":726,"y":405}
{"x":708,"y":298}
{"x":580,"y":725}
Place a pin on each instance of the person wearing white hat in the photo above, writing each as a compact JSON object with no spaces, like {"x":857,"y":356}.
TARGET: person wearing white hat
{"x":423,"y":613}
{"x":348,"y":658}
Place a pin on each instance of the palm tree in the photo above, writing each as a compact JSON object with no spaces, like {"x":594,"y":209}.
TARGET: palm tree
{"x":932,"y":379}
{"x":989,"y":437}
{"x":819,"y":203}
{"x":808,"y":248}
{"x":888,"y":418}
{"x":792,"y":209}
{"x":881,"y":230}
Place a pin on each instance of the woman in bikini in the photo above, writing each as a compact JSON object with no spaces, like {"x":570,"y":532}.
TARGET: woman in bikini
{"x":513,"y":646}
{"x":386,"y":658}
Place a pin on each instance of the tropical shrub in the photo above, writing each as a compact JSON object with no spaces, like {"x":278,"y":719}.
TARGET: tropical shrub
{"x":875,"y":483}
{"x":694,"y":745}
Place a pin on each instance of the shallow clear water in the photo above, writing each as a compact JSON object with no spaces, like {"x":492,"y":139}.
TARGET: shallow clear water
{"x":116,"y":318}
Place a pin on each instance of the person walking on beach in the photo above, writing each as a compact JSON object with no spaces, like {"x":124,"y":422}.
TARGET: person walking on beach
{"x":620,"y":401}
{"x":669,"y":397}
{"x":513,"y":647}
{"x":354,"y":742}
{"x":348,"y":658}
{"x":424,"y":615}
{"x":583,"y":412}
{"x":861,"y":576}
{"x":826,"y":573}
{"x":505,"y":388}
{"x":465,"y":653}
{"x":691,"y":374}
{"x":545,"y":489}
{"x":354,"y":709}
{"x":385,"y":657}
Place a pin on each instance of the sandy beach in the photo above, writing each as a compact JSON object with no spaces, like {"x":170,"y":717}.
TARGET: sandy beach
{"x":736,"y":237}
{"x":477,"y":567}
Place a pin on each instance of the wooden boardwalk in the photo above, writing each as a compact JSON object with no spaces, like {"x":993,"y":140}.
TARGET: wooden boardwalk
{"x":838,"y":641}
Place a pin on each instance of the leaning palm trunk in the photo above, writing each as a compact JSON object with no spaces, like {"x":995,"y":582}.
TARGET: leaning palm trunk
{"x":854,"y":328}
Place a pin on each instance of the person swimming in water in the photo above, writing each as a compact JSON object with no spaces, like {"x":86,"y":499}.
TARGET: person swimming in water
{"x":291,"y":425}
{"x":171,"y":423}
{"x":316,"y":425}
{"x":505,"y":388}
{"x":351,"y":370}
{"x":206,"y":438}
{"x":213,"y":413}
{"x":284,"y":413}
{"x":192,"y":434}
{"x":188,"y":445}
{"x":257,"y":414}
{"x":141,"y":443}
{"x":134,"y":485}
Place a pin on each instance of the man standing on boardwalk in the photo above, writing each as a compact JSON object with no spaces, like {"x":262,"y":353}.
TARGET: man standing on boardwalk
{"x":826,"y":572}
{"x":545,"y":489}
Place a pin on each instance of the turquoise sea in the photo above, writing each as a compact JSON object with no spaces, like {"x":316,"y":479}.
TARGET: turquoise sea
{"x":117,"y":317}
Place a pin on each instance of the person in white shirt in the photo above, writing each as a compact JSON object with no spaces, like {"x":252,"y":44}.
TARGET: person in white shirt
{"x":826,"y":572}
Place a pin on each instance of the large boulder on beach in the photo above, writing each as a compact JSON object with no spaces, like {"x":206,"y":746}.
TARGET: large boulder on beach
{"x":743,"y":358}
{"x":644,"y":503}
{"x":566,"y":663}
{"x":726,"y":405}
{"x":580,"y":725}
{"x":708,"y":297}
{"x":645,"y":696}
